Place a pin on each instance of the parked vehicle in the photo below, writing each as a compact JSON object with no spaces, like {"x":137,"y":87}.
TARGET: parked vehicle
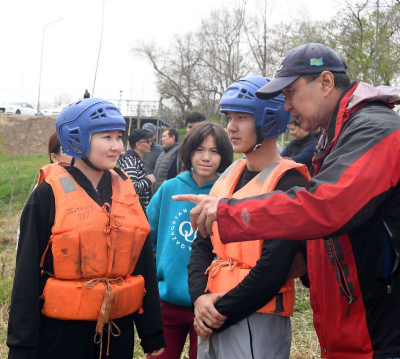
{"x":16,"y":108}
{"x":52,"y":112}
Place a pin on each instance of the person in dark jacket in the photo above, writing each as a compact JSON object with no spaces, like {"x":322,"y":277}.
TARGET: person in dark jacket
{"x":169,"y":141}
{"x":149,"y":159}
{"x":192,"y":120}
{"x":131,"y":163}
{"x":31,"y":333}
{"x":86,"y":94}
{"x":301,"y":148}
{"x":353,"y":204}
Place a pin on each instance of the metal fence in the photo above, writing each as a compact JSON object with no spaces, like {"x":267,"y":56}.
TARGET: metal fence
{"x":144,"y":109}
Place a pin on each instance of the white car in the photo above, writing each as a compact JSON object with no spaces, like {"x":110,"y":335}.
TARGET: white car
{"x":17,"y":108}
{"x":52,"y":112}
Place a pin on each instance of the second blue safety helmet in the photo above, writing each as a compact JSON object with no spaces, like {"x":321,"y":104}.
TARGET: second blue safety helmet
{"x":79,"y":120}
{"x":270,"y":117}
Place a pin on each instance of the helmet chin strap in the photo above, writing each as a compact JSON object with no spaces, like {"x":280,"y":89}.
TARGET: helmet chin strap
{"x":260,"y":139}
{"x":90,"y":164}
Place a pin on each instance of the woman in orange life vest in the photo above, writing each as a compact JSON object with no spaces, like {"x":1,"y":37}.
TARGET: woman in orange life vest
{"x":85,"y":251}
{"x":245,"y":293}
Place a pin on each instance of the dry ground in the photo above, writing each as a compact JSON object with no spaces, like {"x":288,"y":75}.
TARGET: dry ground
{"x":29,"y":133}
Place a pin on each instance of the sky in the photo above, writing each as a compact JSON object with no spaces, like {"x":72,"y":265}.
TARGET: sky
{"x":71,"y":45}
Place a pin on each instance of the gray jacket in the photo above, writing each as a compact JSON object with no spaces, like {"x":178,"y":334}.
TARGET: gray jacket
{"x":162,"y":165}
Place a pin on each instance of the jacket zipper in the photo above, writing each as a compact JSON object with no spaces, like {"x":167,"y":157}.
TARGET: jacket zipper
{"x":342,"y":279}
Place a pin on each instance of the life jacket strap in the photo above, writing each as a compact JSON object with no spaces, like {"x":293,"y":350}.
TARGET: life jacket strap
{"x":104,"y":315}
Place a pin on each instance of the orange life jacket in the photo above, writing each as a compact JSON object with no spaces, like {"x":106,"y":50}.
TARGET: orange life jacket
{"x":95,"y":249}
{"x":235,"y":260}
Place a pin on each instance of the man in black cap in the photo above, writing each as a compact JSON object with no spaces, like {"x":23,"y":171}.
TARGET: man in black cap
{"x":150,"y":159}
{"x":351,"y":213}
{"x":131,"y":163}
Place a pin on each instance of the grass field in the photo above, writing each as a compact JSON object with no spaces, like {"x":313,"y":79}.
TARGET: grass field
{"x":22,"y":171}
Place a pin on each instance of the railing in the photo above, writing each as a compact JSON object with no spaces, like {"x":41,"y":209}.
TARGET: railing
{"x":144,"y":109}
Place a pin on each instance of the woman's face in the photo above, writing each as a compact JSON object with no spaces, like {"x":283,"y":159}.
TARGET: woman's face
{"x":206,"y":159}
{"x":105,"y":148}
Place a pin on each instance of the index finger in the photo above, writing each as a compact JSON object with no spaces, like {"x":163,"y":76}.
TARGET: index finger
{"x":192,"y":198}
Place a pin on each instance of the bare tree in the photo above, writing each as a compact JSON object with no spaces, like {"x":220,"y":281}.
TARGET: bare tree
{"x":174,"y":68}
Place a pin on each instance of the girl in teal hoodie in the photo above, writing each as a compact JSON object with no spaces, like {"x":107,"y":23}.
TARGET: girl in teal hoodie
{"x":205,"y":151}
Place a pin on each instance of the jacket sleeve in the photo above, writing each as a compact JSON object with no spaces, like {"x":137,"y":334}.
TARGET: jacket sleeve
{"x":353,"y":181}
{"x":153,"y":215}
{"x":284,"y":152}
{"x":135,"y":170}
{"x":24,"y":320}
{"x":201,"y":257}
{"x":149,"y":324}
{"x":306,"y":155}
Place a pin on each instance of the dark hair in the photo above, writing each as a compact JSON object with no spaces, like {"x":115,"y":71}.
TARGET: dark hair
{"x":194,"y":117}
{"x":173,"y":132}
{"x":132,"y":143}
{"x":196,"y":137}
{"x":340,"y":79}
{"x":294,"y":122}
{"x":54,"y":145}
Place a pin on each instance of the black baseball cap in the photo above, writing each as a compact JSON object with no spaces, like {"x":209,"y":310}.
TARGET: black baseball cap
{"x":302,"y":60}
{"x":139,"y":134}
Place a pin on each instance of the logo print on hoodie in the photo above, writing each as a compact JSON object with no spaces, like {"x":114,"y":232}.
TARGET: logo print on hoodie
{"x":182,"y":232}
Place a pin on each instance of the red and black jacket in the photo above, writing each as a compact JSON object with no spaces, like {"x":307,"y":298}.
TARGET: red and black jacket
{"x":353,"y":204}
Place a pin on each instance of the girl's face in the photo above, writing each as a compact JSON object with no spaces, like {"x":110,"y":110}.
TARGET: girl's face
{"x":206,"y":159}
{"x":105,"y":148}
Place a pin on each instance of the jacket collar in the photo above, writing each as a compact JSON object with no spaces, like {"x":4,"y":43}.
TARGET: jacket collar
{"x":166,"y":149}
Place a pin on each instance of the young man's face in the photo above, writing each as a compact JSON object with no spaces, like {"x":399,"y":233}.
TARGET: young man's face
{"x":241,"y":130}
{"x":304,"y":101}
{"x":166,"y":139}
{"x":191,"y":125}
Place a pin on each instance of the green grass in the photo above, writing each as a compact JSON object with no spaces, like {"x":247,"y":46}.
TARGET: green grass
{"x":28,"y":168}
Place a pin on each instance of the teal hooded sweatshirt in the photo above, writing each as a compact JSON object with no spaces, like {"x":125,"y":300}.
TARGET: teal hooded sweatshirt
{"x":172,"y":236}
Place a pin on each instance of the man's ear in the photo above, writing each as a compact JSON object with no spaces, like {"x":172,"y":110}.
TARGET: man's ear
{"x":327,"y":82}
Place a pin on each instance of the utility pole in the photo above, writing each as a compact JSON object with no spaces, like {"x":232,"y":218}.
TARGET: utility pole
{"x":376,"y":41}
{"x":41,"y":62}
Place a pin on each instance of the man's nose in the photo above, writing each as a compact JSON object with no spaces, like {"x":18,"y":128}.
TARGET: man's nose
{"x":287,"y":104}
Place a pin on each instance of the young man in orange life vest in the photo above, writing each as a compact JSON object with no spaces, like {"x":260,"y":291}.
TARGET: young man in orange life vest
{"x":252,"y":320}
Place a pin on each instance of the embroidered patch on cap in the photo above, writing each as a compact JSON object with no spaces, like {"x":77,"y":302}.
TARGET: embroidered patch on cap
{"x":245,"y":216}
{"x":316,"y":62}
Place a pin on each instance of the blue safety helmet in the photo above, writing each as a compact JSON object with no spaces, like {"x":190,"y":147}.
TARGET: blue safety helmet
{"x":271,"y":119}
{"x":79,"y":120}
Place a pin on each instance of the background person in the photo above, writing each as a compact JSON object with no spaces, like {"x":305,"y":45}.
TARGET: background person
{"x":131,"y":163}
{"x":86,"y":94}
{"x":150,"y":159}
{"x":192,"y":120}
{"x":301,"y":149}
{"x":65,"y":272}
{"x":169,"y":141}
{"x":259,"y":299}
{"x":205,"y":151}
{"x":55,"y":156}
{"x":353,"y":204}
{"x":54,"y":150}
